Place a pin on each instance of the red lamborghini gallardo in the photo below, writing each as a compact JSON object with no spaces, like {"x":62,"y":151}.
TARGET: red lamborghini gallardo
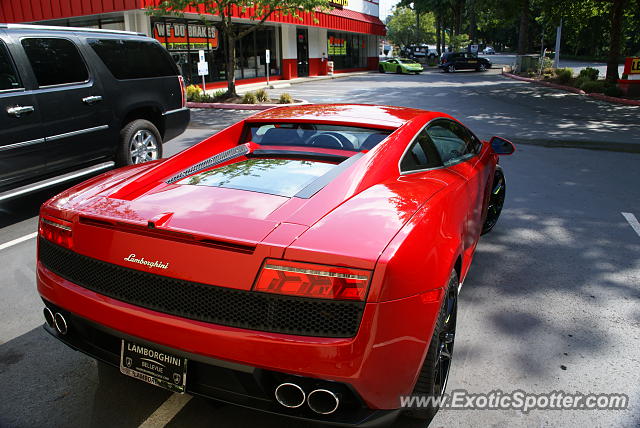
{"x":305,"y":261}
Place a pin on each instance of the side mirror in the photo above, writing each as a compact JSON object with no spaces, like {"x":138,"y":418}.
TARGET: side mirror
{"x":502,"y":146}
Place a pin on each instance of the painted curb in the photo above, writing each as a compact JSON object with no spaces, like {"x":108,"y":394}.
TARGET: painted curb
{"x":233,"y":106}
{"x":597,"y":96}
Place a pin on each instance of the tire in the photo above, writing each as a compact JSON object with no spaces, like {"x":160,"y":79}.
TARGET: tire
{"x":381,"y":69}
{"x":434,"y":373}
{"x":496,"y":200}
{"x":481,"y":67}
{"x":451,"y":68}
{"x":399,"y":70}
{"x":140,"y":142}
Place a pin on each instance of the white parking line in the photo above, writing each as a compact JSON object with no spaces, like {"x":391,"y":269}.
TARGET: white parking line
{"x":18,"y":240}
{"x":167,"y":411}
{"x":633,"y":222}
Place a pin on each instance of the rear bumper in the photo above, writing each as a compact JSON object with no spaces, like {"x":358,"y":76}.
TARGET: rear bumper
{"x":378,"y":365}
{"x":236,"y":384}
{"x":175,"y":122}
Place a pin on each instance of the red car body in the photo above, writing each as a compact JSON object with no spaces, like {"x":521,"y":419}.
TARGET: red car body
{"x":407,"y":231}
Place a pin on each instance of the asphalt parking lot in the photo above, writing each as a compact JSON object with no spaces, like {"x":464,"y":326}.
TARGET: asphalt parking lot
{"x":551,"y":301}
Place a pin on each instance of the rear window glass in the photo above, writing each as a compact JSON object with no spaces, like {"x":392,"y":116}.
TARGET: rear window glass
{"x":316,"y":135}
{"x":282,"y":177}
{"x":134,"y":59}
{"x":55,"y":61}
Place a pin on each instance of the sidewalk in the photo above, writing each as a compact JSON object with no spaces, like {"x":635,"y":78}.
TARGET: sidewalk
{"x":279,"y":84}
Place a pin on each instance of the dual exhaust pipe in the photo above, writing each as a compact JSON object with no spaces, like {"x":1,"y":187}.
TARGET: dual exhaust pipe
{"x":56,"y":320}
{"x":321,"y":401}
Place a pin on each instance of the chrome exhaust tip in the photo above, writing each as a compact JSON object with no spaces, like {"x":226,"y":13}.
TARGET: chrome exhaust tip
{"x":60,"y":323}
{"x":48,"y":317}
{"x":323,"y":402}
{"x":290,"y":395}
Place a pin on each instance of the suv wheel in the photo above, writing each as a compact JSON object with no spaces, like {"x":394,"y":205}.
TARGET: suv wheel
{"x":451,"y":68}
{"x":482,"y":67}
{"x":140,"y":142}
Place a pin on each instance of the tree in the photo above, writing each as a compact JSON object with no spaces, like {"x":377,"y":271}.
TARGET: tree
{"x":615,"y":39}
{"x":402,"y":27}
{"x":523,"y":34}
{"x":259,"y":11}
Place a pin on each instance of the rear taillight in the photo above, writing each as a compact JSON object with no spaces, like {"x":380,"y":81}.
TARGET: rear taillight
{"x":183,"y":91}
{"x":57,"y":231}
{"x":312,"y":280}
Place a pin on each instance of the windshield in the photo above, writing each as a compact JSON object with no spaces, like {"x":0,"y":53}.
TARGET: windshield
{"x":316,"y":135}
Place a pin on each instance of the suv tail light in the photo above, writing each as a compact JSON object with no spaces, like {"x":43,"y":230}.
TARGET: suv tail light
{"x":183,"y":91}
{"x":56,"y":230}
{"x":312,"y":280}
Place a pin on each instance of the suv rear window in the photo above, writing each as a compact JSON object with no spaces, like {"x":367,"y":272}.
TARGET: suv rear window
{"x":55,"y":61}
{"x":134,"y":59}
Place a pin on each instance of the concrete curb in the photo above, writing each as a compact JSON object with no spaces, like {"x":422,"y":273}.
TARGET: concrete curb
{"x":233,"y":106}
{"x":597,"y":96}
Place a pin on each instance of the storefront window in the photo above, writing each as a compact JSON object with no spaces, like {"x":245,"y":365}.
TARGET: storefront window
{"x":183,"y":39}
{"x":347,"y":50}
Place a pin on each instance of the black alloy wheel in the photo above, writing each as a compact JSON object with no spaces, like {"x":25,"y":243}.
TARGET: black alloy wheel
{"x":432,"y":380}
{"x":496,"y":200}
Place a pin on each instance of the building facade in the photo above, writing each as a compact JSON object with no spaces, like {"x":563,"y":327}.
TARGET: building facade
{"x":348,"y":35}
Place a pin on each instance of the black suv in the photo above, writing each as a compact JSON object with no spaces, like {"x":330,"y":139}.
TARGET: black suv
{"x":452,"y":61}
{"x":74,"y":101}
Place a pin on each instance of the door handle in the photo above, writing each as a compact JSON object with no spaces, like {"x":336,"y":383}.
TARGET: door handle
{"x":17,"y":111}
{"x":92,"y":99}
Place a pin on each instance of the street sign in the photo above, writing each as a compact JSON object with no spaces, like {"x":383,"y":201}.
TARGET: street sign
{"x":201,"y":55}
{"x":203,"y":68}
{"x":267,"y":56}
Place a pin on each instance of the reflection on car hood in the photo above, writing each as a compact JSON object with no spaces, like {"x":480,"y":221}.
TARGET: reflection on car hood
{"x":282,"y":177}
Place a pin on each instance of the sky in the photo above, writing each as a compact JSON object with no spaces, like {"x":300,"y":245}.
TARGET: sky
{"x":385,"y":8}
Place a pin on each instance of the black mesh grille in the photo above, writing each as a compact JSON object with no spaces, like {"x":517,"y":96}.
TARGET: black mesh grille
{"x":219,"y":305}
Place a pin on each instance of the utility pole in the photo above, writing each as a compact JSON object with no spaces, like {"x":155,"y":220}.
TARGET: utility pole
{"x":556,"y":58}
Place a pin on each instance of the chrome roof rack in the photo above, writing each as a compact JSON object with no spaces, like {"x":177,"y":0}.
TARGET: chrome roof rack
{"x":74,"y":29}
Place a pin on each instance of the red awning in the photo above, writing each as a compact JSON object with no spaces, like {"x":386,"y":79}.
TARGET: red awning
{"x":42,"y":10}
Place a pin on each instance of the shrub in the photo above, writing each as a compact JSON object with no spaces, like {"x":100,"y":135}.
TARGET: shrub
{"x":590,"y":73}
{"x":580,"y":81}
{"x":564,"y":75}
{"x":193,"y":92}
{"x":220,"y":94}
{"x":285,"y":98}
{"x":546,"y":63}
{"x":598,"y":86}
{"x":249,"y":98}
{"x":262,"y":96}
{"x":612,"y":91}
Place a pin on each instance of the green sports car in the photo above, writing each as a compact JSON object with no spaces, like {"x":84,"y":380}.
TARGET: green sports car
{"x":400,"y":65}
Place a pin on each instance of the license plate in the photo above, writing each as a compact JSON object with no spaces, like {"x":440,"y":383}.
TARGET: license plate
{"x":153,"y":366}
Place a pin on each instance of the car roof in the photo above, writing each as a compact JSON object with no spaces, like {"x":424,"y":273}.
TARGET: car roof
{"x":377,"y":116}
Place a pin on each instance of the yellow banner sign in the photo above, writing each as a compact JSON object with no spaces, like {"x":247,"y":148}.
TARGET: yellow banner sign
{"x":635,"y":66}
